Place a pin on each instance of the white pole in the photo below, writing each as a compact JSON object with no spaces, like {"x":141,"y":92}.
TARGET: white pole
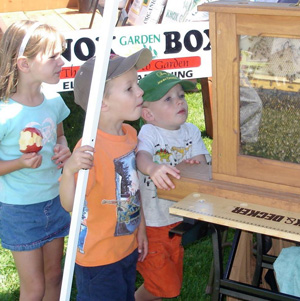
{"x":89,"y":136}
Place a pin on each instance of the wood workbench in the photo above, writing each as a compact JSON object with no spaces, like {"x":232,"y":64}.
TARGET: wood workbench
{"x":198,"y":178}
{"x":201,"y":198}
{"x":240,"y":215}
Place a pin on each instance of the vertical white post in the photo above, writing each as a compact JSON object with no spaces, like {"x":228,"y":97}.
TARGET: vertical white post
{"x":89,"y":136}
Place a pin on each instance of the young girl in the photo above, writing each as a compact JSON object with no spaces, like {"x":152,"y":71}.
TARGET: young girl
{"x":32,"y":222}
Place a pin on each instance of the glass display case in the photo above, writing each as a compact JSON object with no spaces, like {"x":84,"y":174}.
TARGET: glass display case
{"x":256,"y":94}
{"x":269,"y":98}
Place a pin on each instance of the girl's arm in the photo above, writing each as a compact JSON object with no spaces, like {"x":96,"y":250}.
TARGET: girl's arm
{"x":81,"y":158}
{"x":61,"y":138}
{"x":30,"y":160}
{"x":61,"y":149}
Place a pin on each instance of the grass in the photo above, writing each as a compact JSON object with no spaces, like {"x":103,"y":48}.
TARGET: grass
{"x":198,"y":255}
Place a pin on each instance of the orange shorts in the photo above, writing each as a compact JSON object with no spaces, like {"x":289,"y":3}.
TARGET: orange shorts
{"x":162,"y":269}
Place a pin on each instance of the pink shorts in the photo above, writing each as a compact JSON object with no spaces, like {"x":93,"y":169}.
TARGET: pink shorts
{"x":162,"y":269}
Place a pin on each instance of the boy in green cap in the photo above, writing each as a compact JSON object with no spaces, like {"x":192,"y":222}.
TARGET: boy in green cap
{"x":163,"y":142}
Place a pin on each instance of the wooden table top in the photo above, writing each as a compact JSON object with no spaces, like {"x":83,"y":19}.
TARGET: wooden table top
{"x":240,"y":215}
{"x":198,"y":178}
{"x":64,"y":19}
{"x":198,"y":196}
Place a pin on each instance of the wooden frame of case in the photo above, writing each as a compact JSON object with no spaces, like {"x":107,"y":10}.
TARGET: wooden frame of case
{"x":228,"y":21}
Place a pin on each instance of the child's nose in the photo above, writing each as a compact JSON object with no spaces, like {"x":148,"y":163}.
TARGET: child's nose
{"x":180,"y":100}
{"x":140,"y":92}
{"x":60,"y":61}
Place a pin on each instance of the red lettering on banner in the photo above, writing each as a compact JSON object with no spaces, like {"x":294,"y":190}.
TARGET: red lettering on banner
{"x":174,"y":63}
{"x":69,"y":72}
{"x":161,"y":64}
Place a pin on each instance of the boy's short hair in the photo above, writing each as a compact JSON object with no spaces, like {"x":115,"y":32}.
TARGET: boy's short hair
{"x":158,"y":83}
{"x":117,"y":66}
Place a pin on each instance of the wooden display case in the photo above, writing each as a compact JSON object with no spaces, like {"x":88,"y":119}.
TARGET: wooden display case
{"x":256,"y":65}
{"x":248,"y":41}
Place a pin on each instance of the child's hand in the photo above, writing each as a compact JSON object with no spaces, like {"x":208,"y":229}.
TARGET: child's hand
{"x":199,"y":159}
{"x":61,"y":154}
{"x":82,"y":158}
{"x":192,"y":161}
{"x":31,"y":160}
{"x":159,"y":176}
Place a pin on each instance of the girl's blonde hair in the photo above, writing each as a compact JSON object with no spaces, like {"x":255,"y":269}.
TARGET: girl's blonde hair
{"x":44,"y":39}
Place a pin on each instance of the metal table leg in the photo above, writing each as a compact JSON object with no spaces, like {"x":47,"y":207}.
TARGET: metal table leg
{"x":218,"y":261}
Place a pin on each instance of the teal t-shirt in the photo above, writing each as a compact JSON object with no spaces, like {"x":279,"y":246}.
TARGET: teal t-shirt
{"x":30,"y":186}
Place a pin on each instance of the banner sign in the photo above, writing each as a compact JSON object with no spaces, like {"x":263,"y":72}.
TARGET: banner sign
{"x":183,"y":50}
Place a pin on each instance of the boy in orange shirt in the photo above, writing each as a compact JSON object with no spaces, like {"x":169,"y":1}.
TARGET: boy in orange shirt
{"x":112,"y":237}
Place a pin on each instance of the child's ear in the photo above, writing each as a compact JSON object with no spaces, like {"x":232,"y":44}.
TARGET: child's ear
{"x":147,"y":114}
{"x":22,"y":64}
{"x":104,"y":105}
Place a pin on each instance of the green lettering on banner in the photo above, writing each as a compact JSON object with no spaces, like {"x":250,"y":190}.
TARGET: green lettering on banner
{"x":136,"y":40}
{"x":143,"y":39}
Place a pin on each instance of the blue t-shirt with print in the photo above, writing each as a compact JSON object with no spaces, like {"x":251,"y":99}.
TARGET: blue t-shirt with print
{"x":30,"y":186}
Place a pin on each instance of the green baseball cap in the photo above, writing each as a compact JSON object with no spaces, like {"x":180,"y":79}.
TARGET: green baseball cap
{"x":157,"y":84}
